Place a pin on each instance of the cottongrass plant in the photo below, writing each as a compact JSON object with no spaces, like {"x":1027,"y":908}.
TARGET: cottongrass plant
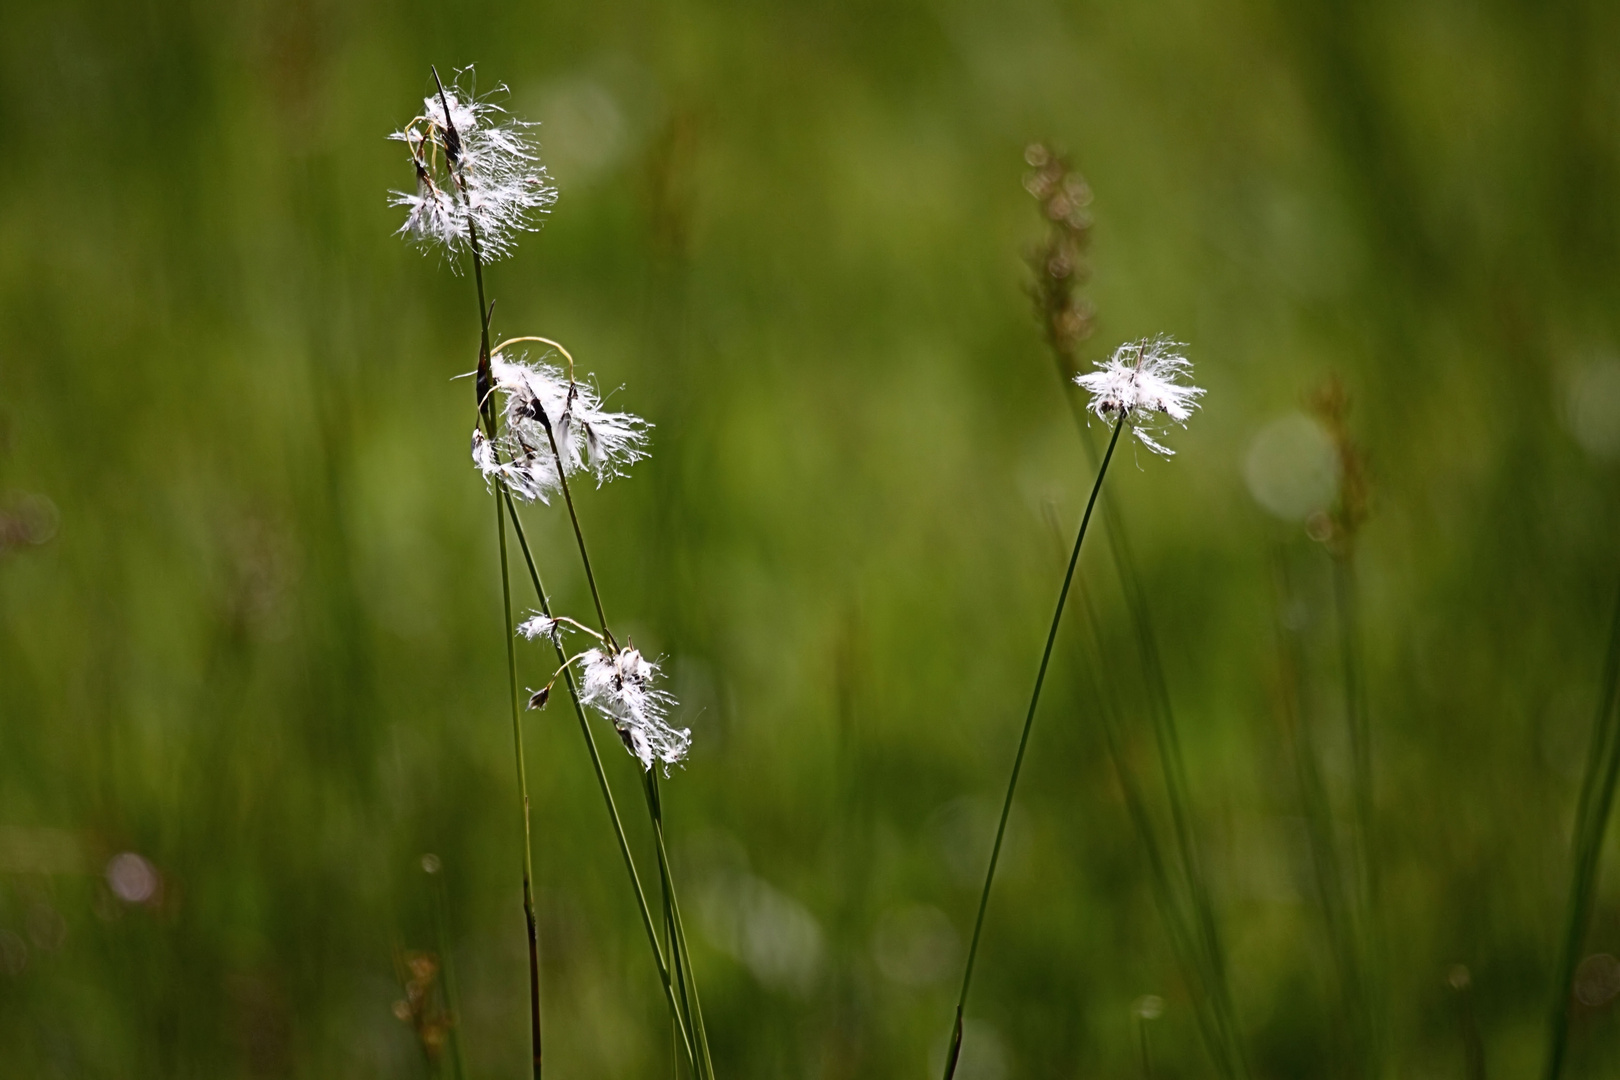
{"x":615,"y":680}
{"x":1059,"y":267}
{"x":479,"y":184}
{"x":1137,"y":387}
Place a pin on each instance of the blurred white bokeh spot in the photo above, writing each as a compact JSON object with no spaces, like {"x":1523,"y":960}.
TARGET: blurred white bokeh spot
{"x":131,"y":878}
{"x":1592,"y":407}
{"x":582,"y":132}
{"x":775,"y":936}
{"x":1292,"y":468}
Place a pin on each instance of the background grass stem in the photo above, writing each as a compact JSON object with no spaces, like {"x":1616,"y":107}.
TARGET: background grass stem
{"x":1591,"y":822}
{"x":955,"y":1050}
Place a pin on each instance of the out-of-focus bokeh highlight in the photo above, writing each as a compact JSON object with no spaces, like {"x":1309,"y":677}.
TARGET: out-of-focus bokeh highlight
{"x":251,"y":658}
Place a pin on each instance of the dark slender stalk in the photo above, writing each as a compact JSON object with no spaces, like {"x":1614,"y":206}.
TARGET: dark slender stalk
{"x":1592,"y":818}
{"x":523,"y":794}
{"x":678,"y":955}
{"x":669,"y":950}
{"x":1023,"y":743}
{"x":607,"y":791}
{"x":486,"y":410}
{"x":671,"y":941}
{"x":689,"y":982}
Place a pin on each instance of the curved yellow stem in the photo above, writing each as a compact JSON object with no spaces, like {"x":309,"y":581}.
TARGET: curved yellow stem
{"x":544,"y":341}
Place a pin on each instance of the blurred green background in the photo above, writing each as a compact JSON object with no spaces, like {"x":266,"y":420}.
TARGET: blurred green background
{"x":249,"y":621}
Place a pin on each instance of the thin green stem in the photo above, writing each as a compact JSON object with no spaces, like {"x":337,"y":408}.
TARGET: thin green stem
{"x":579,"y":535}
{"x":669,"y":950}
{"x":1023,"y":744}
{"x":689,"y":988}
{"x":487,"y":414}
{"x":486,"y":410}
{"x":672,"y":940}
{"x":1592,"y":818}
{"x":523,"y":794}
{"x":678,"y":947}
{"x":607,"y":791}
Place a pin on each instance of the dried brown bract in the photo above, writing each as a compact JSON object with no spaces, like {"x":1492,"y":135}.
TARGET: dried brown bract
{"x":423,"y":1006}
{"x":1339,"y":526}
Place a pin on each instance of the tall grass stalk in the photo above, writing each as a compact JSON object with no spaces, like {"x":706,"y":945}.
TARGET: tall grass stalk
{"x":1591,"y":822}
{"x":1059,"y":266}
{"x":486,"y":411}
{"x":1023,"y":744}
{"x":524,"y":189}
{"x":686,"y":997}
{"x":544,"y":601}
{"x":1339,"y":530}
{"x":677,"y":927}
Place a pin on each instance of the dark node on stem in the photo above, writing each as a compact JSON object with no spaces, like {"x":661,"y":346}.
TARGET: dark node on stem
{"x":452,"y":140}
{"x":538,"y":699}
{"x":485,"y":382}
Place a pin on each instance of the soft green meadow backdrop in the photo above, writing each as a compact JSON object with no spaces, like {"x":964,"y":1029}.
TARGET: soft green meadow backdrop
{"x":249,"y":598}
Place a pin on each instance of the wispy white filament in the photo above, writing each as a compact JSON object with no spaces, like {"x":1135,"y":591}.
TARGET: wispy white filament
{"x":619,"y":686}
{"x":474,"y":164}
{"x":538,"y":626}
{"x":1139,"y":385}
{"x":588,"y":437}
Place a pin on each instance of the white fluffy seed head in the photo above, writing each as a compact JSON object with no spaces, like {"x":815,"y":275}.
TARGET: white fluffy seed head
{"x":1138,"y":384}
{"x":475,"y":166}
{"x":589,"y":438}
{"x":619,"y":685}
{"x":538,"y":625}
{"x":528,"y":474}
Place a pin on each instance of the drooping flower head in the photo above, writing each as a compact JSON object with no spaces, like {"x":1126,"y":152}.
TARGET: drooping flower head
{"x":474,"y":165}
{"x":1138,"y":385}
{"x":538,"y":397}
{"x":619,"y":685}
